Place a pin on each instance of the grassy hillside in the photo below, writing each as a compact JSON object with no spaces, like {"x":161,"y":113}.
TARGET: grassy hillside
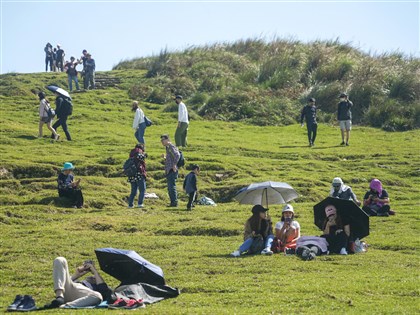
{"x":267,"y":83}
{"x":192,"y":247}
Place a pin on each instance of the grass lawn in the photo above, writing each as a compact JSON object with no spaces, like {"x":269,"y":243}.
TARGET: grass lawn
{"x":193,"y":247}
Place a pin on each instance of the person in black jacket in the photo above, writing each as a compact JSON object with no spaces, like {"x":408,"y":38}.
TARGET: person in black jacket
{"x":190,"y":186}
{"x":309,"y":113}
{"x":344,"y":117}
{"x":62,"y":111}
{"x":138,"y":181}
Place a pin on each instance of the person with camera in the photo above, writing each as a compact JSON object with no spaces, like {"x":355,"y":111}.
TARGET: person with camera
{"x":336,"y":231}
{"x":138,"y":181}
{"x":258,"y":234}
{"x":341,"y":191}
{"x":89,"y":292}
{"x":68,"y":187}
{"x":287,"y":232}
{"x":376,"y":200}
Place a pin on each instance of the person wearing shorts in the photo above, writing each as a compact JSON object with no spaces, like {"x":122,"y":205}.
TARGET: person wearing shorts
{"x":344,"y":118}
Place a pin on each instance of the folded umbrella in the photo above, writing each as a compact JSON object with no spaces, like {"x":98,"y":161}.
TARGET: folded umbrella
{"x":56,"y":89}
{"x":266,"y":193}
{"x":348,"y":211}
{"x":128,"y":266}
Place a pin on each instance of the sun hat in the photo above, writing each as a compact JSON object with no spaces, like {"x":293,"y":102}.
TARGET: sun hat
{"x":179,"y":97}
{"x":68,"y":166}
{"x":288,"y":207}
{"x":164,"y":137}
{"x":258,"y":208}
{"x":330,"y":210}
{"x":337,"y":182}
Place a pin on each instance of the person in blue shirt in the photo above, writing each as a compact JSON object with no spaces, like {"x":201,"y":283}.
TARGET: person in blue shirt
{"x":68,"y":187}
{"x":309,"y":113}
{"x":190,"y":186}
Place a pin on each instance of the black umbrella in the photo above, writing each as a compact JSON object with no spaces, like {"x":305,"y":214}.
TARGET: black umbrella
{"x":348,"y":211}
{"x":128,"y":266}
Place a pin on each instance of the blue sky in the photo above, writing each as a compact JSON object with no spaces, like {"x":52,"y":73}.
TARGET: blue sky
{"x":118,"y":30}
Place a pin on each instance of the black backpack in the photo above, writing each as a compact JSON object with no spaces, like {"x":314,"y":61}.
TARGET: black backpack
{"x":181,"y":161}
{"x":130,"y":167}
{"x":67,"y":106}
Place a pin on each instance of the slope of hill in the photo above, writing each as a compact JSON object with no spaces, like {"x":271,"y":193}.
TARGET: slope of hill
{"x":267,"y":83}
{"x":192,"y":247}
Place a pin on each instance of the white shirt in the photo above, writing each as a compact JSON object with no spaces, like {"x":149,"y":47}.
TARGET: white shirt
{"x":138,"y":118}
{"x":182,"y":113}
{"x":294,"y":224}
{"x":43,"y":106}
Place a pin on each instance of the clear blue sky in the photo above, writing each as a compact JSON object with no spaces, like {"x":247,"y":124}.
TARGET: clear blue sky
{"x":117,"y":30}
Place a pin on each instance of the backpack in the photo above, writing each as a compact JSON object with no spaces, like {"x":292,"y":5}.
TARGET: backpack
{"x":257,"y":245}
{"x":181,"y":161}
{"x":130,"y":167}
{"x":67,"y":106}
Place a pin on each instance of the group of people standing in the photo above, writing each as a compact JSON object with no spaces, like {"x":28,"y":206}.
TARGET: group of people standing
{"x":54,"y":57}
{"x":344,"y":117}
{"x":336,"y":232}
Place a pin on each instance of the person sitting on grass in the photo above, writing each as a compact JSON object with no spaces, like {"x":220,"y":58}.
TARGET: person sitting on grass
{"x":287,"y":232}
{"x":69,"y":188}
{"x":376,"y":200}
{"x":341,"y":191}
{"x":89,"y":292}
{"x":258,"y":230}
{"x":336,"y":231}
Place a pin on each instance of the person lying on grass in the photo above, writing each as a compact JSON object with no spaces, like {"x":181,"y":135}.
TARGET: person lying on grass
{"x":336,"y":231}
{"x":376,"y":200}
{"x":287,"y":232}
{"x":258,"y":235}
{"x":89,"y":292}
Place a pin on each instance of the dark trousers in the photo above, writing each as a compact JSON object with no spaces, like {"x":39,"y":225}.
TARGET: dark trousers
{"x":48,"y":60}
{"x":63,"y":123}
{"x":75,"y":195}
{"x":191,"y":199}
{"x":171,"y":178}
{"x":312,"y":128}
{"x":337,"y":241}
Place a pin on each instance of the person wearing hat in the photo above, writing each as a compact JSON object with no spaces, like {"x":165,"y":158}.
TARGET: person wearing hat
{"x":376,"y":200}
{"x":336,"y":231}
{"x":287,"y":232}
{"x":341,"y":191}
{"x":309,"y":113}
{"x":89,"y":69}
{"x":344,"y":118}
{"x":69,"y":188}
{"x":183,"y":123}
{"x":258,"y":233}
{"x":171,"y":169}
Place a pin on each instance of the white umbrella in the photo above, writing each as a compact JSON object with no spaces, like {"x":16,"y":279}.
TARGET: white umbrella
{"x":266,"y":193}
{"x":58,"y":90}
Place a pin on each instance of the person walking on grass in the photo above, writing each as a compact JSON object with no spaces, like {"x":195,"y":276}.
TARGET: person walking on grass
{"x":258,"y":229}
{"x":138,"y":181}
{"x":183,"y":122}
{"x":63,"y":109}
{"x":89,"y":292}
{"x":171,"y":169}
{"x":344,"y":118}
{"x":139,"y":123}
{"x":190,"y":186}
{"x":68,"y":187}
{"x":309,"y":113}
{"x":44,"y":107}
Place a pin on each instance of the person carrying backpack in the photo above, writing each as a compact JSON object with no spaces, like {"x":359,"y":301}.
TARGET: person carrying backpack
{"x":138,"y":181}
{"x":171,"y":157}
{"x":63,"y":109}
{"x":190,"y":186}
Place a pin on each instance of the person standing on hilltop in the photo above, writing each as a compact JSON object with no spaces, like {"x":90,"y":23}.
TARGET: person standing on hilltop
{"x":72,"y":73}
{"x":60,"y":58}
{"x":83,"y":60}
{"x":183,"y":122}
{"x":344,"y":117}
{"x":89,"y":68}
{"x":48,"y":57}
{"x":309,"y":113}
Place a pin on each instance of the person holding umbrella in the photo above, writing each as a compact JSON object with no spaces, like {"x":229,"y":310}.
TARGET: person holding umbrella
{"x":336,"y":231}
{"x":63,"y":110}
{"x":258,"y":229}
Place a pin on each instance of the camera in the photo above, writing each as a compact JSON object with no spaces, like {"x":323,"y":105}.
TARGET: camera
{"x":288,"y":220}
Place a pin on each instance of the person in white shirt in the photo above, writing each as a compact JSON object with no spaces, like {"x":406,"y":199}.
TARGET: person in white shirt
{"x":287,"y":232}
{"x":44,"y":106}
{"x":138,"y":123}
{"x":183,"y":122}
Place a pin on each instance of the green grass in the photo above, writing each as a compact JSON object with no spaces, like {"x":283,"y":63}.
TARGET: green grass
{"x":192,"y":247}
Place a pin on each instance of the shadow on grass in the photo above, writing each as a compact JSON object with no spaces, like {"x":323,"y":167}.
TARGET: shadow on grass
{"x":60,"y":202}
{"x":27,"y":137}
{"x":231,"y":257}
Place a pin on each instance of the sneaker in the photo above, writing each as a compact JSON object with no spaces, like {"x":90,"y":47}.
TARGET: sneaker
{"x":15,"y":304}
{"x":57,"y":137}
{"x":343,"y":251}
{"x":173,"y":205}
{"x":133,"y":304}
{"x":267,"y":251}
{"x":57,"y":302}
{"x":140,"y":206}
{"x":119,"y":303}
{"x":347,"y":144}
{"x":189,"y":209}
{"x":342,"y":143}
{"x":27,"y":304}
{"x":383,"y":214}
{"x":391,"y":212}
{"x":236,"y":253}
{"x":289,"y":251}
{"x":130,"y":206}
